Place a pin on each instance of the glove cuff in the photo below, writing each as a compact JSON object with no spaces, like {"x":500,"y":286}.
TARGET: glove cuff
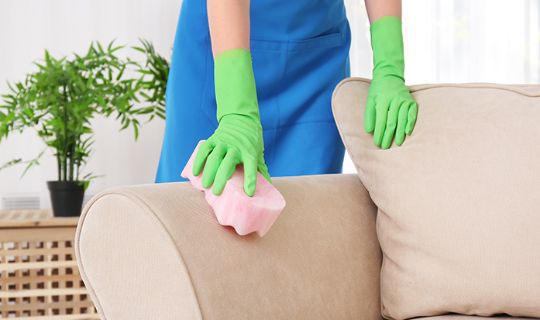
{"x":387,"y":45}
{"x":234,"y":81}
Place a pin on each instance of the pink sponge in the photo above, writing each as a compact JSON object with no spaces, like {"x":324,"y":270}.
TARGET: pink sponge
{"x":234,"y":208}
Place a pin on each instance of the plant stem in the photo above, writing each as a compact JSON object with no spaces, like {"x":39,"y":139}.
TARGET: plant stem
{"x":64,"y":169}
{"x":59,"y":166}
{"x":71,"y":164}
{"x":65,"y":132}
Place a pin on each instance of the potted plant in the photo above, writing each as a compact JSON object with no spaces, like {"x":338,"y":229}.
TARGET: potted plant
{"x":61,"y":98}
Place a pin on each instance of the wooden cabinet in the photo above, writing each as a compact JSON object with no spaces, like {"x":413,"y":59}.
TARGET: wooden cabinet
{"x":39,"y":278}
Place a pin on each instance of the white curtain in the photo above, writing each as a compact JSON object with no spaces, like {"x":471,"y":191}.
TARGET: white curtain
{"x":445,"y":41}
{"x":472,"y":41}
{"x":458,"y":41}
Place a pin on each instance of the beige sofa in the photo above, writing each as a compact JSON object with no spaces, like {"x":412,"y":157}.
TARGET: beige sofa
{"x":157,"y":252}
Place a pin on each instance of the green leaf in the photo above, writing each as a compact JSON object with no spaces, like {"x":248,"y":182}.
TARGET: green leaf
{"x":135,"y":130}
{"x":10,"y":163}
{"x":29,"y":165}
{"x":61,"y":97}
{"x":138,"y":49}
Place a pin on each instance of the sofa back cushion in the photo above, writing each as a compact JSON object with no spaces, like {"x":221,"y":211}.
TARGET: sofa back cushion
{"x":458,"y":203}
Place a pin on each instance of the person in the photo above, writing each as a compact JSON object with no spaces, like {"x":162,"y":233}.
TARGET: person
{"x":254,"y":80}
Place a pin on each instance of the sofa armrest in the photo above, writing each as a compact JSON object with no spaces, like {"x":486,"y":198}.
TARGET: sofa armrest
{"x":157,"y":252}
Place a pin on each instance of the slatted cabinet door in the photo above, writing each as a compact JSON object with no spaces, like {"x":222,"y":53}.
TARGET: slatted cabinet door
{"x":39,"y":278}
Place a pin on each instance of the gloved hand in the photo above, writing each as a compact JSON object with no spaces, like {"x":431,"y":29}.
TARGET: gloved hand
{"x":390,"y":111}
{"x":238,"y":138}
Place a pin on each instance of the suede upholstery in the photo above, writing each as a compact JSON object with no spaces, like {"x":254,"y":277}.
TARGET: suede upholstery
{"x":458,"y":203}
{"x":157,"y":251}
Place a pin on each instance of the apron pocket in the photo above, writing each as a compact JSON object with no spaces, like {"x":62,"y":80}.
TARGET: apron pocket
{"x":294,"y":79}
{"x":314,"y":67}
{"x":323,"y":41}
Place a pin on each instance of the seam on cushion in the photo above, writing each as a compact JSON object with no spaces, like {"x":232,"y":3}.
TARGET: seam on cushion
{"x":475,"y":86}
{"x":416,"y":88}
{"x":340,"y":129}
{"x":479,"y":85}
{"x":360,"y":173}
{"x":82,"y":272}
{"x":144,"y":205}
{"x":131,"y":195}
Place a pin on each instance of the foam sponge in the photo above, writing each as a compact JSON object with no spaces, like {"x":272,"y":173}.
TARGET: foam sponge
{"x":234,"y":208}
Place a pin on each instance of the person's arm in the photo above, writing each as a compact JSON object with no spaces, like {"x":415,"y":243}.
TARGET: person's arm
{"x":390,"y":111}
{"x":238,"y":139}
{"x":228,"y":21}
{"x":377,"y":9}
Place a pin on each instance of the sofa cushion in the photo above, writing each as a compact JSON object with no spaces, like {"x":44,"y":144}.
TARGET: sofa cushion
{"x":458,"y":203}
{"x":157,"y":252}
{"x":460,"y":317}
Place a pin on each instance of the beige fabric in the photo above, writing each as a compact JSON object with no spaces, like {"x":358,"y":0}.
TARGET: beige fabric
{"x":460,"y":317}
{"x":129,"y":263}
{"x":459,"y":202}
{"x":157,"y":252}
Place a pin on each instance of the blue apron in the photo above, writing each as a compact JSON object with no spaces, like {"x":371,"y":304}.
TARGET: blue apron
{"x":300,"y":51}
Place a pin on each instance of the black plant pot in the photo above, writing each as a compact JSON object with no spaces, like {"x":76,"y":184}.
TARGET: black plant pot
{"x":66,"y":197}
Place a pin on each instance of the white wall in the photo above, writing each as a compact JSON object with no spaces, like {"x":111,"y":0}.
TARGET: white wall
{"x":445,"y":41}
{"x":27,"y":27}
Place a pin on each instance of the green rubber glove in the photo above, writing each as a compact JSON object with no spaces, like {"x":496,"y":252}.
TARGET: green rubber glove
{"x":391,"y":111}
{"x":238,"y":138}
